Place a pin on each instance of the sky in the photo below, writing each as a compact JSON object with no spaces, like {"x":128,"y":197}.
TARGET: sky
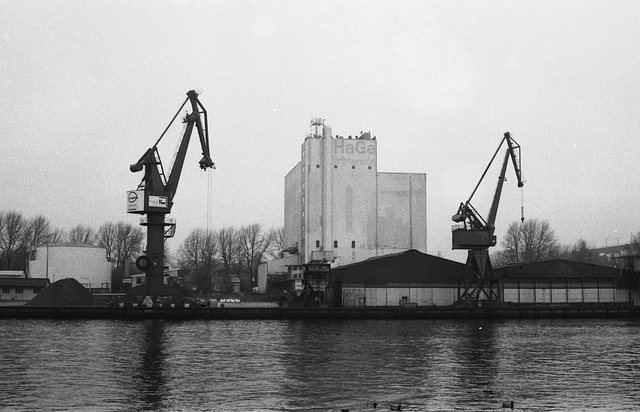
{"x":87,"y":87}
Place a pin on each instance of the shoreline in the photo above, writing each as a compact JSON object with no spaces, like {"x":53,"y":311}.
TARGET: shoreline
{"x":274,"y":312}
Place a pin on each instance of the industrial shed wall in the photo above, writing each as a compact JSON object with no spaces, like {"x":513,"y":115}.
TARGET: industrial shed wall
{"x":562,"y":281}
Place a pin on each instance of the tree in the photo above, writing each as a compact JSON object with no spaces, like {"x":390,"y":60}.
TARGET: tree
{"x":121,"y":240}
{"x":582,"y":252}
{"x":227,"y":248}
{"x":253,"y":242}
{"x":128,"y":242}
{"x":57,"y":235}
{"x":39,"y":232}
{"x":82,"y":234}
{"x":198,"y":253}
{"x":14,"y":237}
{"x":530,"y":241}
{"x":106,"y":238}
{"x":512,"y":244}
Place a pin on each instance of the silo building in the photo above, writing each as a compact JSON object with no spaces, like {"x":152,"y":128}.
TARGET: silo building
{"x":340,"y":209}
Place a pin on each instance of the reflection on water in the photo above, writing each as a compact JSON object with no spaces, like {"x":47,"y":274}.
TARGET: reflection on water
{"x":150,"y":375}
{"x":157,"y":365}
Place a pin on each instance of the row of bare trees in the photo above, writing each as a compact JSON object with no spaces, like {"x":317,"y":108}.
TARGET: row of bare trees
{"x":534,"y":240}
{"x":19,"y":235}
{"x":213,"y":256}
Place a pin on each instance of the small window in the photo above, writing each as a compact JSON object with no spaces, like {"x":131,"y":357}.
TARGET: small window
{"x":335,"y":243}
{"x":353,"y":167}
{"x":6,"y":290}
{"x":18,"y":290}
{"x":317,"y":243}
{"x":335,"y":166}
{"x":369,"y":167}
{"x":317,"y":166}
{"x":36,"y":291}
{"x":353,"y":244}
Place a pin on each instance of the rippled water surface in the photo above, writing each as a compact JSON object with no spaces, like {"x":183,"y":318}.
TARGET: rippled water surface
{"x":109,"y":365}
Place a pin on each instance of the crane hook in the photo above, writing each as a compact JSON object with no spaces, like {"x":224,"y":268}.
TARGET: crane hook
{"x":521,"y":205}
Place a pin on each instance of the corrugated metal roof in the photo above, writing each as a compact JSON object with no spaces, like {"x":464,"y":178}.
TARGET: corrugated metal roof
{"x":556,"y":268}
{"x":12,"y":273}
{"x":24,"y":282}
{"x":69,"y":244}
{"x":411,"y":266}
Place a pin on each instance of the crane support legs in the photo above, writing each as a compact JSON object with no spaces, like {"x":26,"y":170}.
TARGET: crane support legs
{"x":483,"y":288}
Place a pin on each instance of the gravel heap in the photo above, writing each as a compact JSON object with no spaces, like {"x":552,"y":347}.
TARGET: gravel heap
{"x":65,"y":292}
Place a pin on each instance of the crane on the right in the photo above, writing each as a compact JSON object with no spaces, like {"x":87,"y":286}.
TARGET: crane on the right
{"x":476,"y":234}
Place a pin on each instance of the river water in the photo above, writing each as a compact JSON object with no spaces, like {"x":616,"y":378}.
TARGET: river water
{"x":316,"y":365}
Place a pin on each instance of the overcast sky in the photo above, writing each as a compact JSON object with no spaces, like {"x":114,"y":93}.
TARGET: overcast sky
{"x":87,"y":87}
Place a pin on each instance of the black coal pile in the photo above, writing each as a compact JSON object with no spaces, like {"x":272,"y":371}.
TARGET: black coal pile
{"x":65,"y":293}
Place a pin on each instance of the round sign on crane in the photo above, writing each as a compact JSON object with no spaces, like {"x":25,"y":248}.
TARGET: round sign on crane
{"x":142,"y":263}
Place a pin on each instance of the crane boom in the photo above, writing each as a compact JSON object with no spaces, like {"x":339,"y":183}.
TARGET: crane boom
{"x":476,"y":232}
{"x":155,"y":194}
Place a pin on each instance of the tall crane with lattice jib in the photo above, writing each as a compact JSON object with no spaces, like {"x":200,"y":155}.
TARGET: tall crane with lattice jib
{"x":476,"y":234}
{"x":155,"y":193}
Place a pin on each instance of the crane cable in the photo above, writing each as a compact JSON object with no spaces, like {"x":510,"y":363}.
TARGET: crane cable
{"x":522,"y":205}
{"x":209,"y":191}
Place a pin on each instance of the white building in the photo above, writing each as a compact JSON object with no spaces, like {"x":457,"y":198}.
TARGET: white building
{"x":338,"y":206}
{"x":85,"y":263}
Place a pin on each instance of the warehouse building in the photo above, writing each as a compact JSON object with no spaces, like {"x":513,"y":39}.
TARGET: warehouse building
{"x":16,"y":287}
{"x":409,"y":278}
{"x":339,"y":208}
{"x":412,"y":278}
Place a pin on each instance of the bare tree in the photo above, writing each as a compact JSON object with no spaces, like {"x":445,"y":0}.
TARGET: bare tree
{"x":82,"y":234}
{"x":57,"y":235}
{"x":39,"y":231}
{"x":582,"y":252}
{"x":209,"y":252}
{"x":538,"y":240}
{"x":512,"y":244}
{"x":124,"y":239}
{"x":227,"y":247}
{"x":14,"y":237}
{"x":189,"y":251}
{"x":198,"y":253}
{"x":253,"y":243}
{"x":530,"y":241}
{"x":106,"y":238}
{"x":130,"y":240}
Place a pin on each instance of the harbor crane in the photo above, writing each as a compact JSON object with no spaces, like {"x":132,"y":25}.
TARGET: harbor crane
{"x":476,"y":234}
{"x":155,"y":194}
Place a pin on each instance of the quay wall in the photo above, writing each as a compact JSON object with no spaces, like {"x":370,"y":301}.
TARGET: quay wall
{"x":280,"y":313}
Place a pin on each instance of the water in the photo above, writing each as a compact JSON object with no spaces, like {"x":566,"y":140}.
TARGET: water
{"x":314,"y":365}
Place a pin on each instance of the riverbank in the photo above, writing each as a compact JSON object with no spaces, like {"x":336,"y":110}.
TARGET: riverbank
{"x":267,"y":310}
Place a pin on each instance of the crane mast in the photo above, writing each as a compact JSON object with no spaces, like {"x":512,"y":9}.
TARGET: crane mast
{"x":474,"y":233}
{"x":154,"y":198}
